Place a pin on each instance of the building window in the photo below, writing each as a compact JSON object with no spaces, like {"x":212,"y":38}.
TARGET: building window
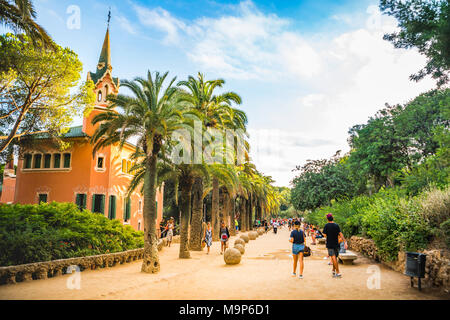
{"x":112,"y":207}
{"x":139,"y":226}
{"x":106,"y":90}
{"x":27,"y":161}
{"x":124,"y":166}
{"x":42,"y":197}
{"x":80,"y":200}
{"x":100,"y":162}
{"x":127,"y":209}
{"x":57,"y":160}
{"x":37,"y":161}
{"x":99,"y":96}
{"x":140,"y":205}
{"x":66,"y":160}
{"x":47,"y":160}
{"x":98,"y":203}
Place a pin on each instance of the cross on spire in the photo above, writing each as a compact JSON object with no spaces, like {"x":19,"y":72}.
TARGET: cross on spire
{"x":109,"y":15}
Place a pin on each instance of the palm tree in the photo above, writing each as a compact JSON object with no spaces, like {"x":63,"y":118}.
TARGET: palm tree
{"x":20,"y":15}
{"x":151,"y":114}
{"x":216,"y":112}
{"x":184,"y":175}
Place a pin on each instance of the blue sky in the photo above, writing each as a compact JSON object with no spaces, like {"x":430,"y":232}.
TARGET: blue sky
{"x":306,"y":70}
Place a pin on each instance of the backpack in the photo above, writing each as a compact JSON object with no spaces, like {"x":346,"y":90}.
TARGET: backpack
{"x":307,"y":251}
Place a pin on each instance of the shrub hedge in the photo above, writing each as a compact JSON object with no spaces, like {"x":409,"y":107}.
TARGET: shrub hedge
{"x":49,"y":231}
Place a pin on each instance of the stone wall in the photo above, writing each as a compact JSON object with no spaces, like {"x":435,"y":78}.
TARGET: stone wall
{"x":437,"y":268}
{"x":48,"y":269}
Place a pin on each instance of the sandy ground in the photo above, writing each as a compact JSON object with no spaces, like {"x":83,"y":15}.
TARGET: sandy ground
{"x":264,"y":273}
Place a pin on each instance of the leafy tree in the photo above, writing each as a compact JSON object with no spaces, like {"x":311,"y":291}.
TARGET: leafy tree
{"x":35,"y":89}
{"x":378,"y":148}
{"x":424,"y":25}
{"x":321,"y":181}
{"x":20,"y":15}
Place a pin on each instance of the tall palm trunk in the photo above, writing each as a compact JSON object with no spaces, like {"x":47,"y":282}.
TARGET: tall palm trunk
{"x":242,"y":216}
{"x":249,"y":213}
{"x":186,"y":183}
{"x":195,"y":236}
{"x":223,"y":211}
{"x":232,"y":208}
{"x":215,"y":209}
{"x":150,"y":263}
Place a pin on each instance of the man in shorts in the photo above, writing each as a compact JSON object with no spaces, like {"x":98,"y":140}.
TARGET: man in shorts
{"x":333,"y":232}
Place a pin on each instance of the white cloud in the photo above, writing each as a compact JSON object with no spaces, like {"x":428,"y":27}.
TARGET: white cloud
{"x":125,"y":24}
{"x":161,"y":20}
{"x":341,"y":79}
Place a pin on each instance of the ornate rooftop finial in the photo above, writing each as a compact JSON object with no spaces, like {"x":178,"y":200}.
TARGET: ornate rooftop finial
{"x":109,"y":16}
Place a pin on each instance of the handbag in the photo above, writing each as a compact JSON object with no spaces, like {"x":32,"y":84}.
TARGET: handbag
{"x":203,"y":243}
{"x":306,"y":251}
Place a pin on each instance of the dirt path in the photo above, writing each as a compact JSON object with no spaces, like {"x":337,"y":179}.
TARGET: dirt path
{"x":264,"y":273}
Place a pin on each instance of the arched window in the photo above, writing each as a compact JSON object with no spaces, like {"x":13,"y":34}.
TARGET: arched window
{"x":106,"y":90}
{"x":99,"y":95}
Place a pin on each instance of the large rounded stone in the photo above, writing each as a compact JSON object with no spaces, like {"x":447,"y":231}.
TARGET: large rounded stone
{"x":232,"y":256}
{"x":240,"y":247}
{"x":252,"y":235}
{"x":245,"y":237}
{"x":261,"y":232}
{"x":239,"y":241}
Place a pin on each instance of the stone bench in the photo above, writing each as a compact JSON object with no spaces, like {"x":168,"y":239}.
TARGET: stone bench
{"x":321,"y":240}
{"x":347,"y":257}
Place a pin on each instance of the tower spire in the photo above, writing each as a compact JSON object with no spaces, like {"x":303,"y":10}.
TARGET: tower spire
{"x":105,"y":55}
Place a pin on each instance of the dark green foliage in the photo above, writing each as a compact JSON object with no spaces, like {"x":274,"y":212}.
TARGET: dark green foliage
{"x":389,"y":217}
{"x":49,"y":231}
{"x":445,"y":227}
{"x":321,"y":181}
{"x":424,"y":25}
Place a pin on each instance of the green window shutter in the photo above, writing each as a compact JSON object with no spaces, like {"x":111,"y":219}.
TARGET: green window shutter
{"x":93,"y":203}
{"x":112,"y":207}
{"x":81,"y":201}
{"x":28,"y":161}
{"x":102,"y":204}
{"x":42,"y":197}
{"x":47,"y":160}
{"x":156,"y":207}
{"x":78,"y":200}
{"x":127,"y":209}
{"x":66,"y":160}
{"x":57,"y":160}
{"x":37,"y":161}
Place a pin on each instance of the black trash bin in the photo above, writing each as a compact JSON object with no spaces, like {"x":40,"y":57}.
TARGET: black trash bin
{"x":415,"y":266}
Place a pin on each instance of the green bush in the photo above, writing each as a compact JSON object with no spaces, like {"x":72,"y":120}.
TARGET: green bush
{"x":49,"y":231}
{"x":445,"y":228}
{"x":392,"y":219}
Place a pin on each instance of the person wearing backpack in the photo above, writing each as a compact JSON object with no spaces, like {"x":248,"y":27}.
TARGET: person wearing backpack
{"x":224,"y":236}
{"x":297,"y":239}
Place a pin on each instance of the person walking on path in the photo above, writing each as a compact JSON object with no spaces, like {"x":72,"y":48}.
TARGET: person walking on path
{"x":333,"y":232}
{"x":224,"y":236}
{"x":236,"y":224}
{"x":207,"y":236}
{"x":169,"y":227}
{"x":275,"y":226}
{"x":297,"y":239}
